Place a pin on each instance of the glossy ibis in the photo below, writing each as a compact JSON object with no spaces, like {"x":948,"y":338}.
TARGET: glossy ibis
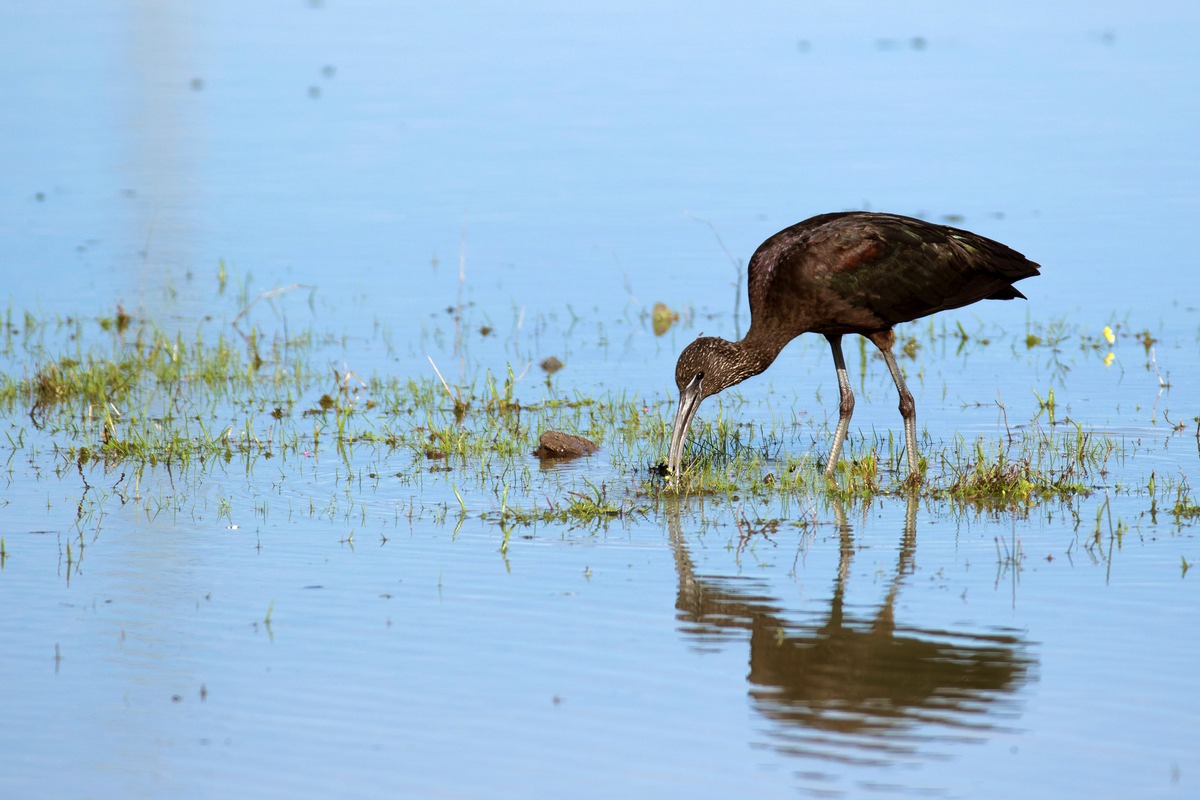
{"x":849,"y":272}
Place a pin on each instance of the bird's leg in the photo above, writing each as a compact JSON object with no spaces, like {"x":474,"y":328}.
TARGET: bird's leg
{"x":908,"y":407}
{"x":845,"y":403}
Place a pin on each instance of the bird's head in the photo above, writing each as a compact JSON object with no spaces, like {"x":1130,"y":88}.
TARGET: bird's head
{"x":709,"y":365}
{"x":705,"y":367}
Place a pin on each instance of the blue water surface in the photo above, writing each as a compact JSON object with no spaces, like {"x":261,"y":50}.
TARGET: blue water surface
{"x":557,"y":169}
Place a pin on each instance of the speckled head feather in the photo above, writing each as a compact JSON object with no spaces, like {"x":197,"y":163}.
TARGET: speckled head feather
{"x":719,"y":363}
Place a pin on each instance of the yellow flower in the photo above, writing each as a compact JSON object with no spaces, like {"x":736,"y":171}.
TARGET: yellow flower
{"x":1108,"y":335}
{"x":1108,"y":359}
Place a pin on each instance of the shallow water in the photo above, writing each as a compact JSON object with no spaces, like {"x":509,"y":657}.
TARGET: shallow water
{"x":327,"y":621}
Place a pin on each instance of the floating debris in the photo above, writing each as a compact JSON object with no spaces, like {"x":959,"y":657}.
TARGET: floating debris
{"x":662,"y":318}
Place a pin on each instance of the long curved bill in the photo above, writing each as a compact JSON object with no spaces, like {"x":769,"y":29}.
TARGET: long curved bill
{"x":689,"y":403}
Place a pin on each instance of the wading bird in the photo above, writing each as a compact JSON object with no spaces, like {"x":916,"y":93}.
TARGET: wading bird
{"x":849,"y":272}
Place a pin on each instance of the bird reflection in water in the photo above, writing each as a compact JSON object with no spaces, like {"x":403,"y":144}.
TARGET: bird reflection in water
{"x":857,"y":688}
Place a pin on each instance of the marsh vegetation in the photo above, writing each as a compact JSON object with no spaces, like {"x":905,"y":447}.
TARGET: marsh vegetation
{"x":121,"y":400}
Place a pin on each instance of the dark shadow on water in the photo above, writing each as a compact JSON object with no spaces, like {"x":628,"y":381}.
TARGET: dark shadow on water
{"x":857,"y":689}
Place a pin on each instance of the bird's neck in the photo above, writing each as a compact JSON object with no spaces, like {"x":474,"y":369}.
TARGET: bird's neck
{"x":760,"y":347}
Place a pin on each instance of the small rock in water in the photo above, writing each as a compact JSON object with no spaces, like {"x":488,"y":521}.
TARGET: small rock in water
{"x":555,"y":444}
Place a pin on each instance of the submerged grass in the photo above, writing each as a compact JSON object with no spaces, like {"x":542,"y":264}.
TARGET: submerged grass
{"x":1006,"y":473}
{"x":140,"y":398}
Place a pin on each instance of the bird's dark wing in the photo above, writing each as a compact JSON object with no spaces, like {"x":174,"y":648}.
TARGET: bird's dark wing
{"x":861,"y":272}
